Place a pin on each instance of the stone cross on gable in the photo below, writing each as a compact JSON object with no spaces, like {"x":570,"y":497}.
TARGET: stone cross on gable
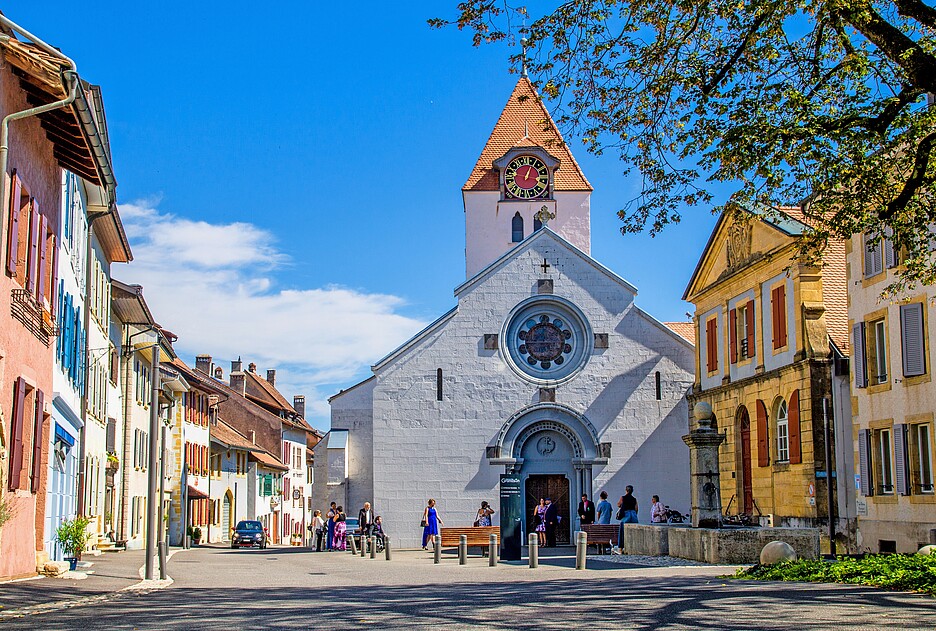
{"x":544,"y":215}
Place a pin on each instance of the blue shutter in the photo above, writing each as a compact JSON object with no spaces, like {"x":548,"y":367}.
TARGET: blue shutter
{"x":902,"y":478}
{"x":911,"y":339}
{"x":864,"y":462}
{"x":861,"y":359}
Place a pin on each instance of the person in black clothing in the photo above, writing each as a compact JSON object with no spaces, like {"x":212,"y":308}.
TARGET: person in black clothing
{"x":551,"y":517}
{"x":627,"y":512}
{"x":586,"y":511}
{"x":366,"y":520}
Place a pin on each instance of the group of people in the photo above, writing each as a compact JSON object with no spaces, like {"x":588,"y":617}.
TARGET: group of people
{"x":331,"y":532}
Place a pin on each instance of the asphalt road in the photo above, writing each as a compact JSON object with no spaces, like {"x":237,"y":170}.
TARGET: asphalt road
{"x":290,"y":588}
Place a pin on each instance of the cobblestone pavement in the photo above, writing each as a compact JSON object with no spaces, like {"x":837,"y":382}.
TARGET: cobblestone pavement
{"x":292,"y":588}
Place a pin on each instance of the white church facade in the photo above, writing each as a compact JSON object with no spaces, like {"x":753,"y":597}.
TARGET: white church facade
{"x":545,"y":368}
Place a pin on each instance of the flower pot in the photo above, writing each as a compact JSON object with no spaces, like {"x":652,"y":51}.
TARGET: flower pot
{"x":72,"y":563}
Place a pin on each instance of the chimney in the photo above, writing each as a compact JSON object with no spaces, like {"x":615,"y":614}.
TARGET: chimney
{"x":271,"y":377}
{"x":203,"y":364}
{"x":239,"y":382}
{"x":299,"y":405}
{"x":237,"y":365}
{"x":219,"y":373}
{"x":253,"y":437}
{"x":251,"y":367}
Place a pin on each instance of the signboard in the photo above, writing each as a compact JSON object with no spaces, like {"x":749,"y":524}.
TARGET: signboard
{"x":511,"y":517}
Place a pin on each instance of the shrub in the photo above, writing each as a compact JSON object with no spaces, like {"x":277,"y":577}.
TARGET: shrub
{"x":73,"y":536}
{"x":913,"y":572}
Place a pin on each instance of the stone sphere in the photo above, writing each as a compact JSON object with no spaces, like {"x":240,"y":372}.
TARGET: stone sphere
{"x":927,"y":550}
{"x":702,"y":411}
{"x":777,"y":551}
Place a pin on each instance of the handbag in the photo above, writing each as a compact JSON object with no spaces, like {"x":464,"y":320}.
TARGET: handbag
{"x":423,"y":523}
{"x":620,"y":514}
{"x":476,"y":523}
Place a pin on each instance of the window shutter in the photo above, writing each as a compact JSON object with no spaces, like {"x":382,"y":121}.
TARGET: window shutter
{"x":890,"y":253}
{"x":41,"y":272}
{"x":774,"y":319}
{"x":873,"y":256}
{"x":864,"y":462}
{"x":749,"y":314}
{"x":53,"y":286}
{"x":763,"y":453}
{"x":902,"y":478}
{"x":37,"y":442}
{"x":782,"y":314}
{"x":911,"y":339}
{"x":733,"y":335}
{"x":13,"y":236}
{"x":793,"y":429}
{"x":16,"y":434}
{"x":861,"y":359}
{"x":32,"y":255}
{"x":111,"y":436}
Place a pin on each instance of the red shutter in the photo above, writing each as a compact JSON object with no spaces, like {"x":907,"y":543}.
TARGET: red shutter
{"x":37,"y":442}
{"x":774,"y":319}
{"x":749,"y":315}
{"x":41,"y":272}
{"x":13,"y":237}
{"x":711,"y":345}
{"x":33,"y":254}
{"x":781,"y":299}
{"x":16,"y":434}
{"x":763,"y":453}
{"x":733,"y":335}
{"x":793,"y":425}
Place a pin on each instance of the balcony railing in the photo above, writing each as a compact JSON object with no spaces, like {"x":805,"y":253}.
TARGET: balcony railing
{"x":33,"y":316}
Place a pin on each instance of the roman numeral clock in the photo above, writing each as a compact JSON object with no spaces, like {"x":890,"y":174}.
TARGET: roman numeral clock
{"x":526,"y":173}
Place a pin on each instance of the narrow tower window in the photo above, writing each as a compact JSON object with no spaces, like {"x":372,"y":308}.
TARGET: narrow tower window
{"x":439,"y":384}
{"x":516,"y":227}
{"x":659,"y":389}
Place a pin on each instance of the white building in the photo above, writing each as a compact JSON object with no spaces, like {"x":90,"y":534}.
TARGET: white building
{"x":545,"y":368}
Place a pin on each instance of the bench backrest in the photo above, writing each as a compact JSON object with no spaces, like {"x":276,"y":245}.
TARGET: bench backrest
{"x":477,"y":535}
{"x":601,"y":533}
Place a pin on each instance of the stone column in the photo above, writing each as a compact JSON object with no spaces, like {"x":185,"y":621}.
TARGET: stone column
{"x":703,"y":468}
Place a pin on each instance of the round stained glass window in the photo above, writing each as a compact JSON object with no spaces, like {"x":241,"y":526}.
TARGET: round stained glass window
{"x":546,"y":339}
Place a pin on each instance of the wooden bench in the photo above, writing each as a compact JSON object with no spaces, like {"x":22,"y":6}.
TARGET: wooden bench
{"x":477,"y":536}
{"x":601,"y":534}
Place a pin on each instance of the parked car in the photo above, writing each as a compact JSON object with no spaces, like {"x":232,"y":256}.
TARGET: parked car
{"x":249,"y":533}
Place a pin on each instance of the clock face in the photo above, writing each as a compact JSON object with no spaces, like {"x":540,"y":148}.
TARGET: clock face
{"x":526,"y":177}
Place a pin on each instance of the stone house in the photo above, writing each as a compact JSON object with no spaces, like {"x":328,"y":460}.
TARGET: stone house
{"x":771,"y":361}
{"x":893,"y":400}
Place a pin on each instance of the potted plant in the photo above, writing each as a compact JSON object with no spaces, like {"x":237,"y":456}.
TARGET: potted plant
{"x":194,"y":533}
{"x":113,"y":462}
{"x":73,"y":536}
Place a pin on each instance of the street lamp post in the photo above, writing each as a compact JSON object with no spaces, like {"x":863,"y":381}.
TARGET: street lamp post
{"x":151,"y":473}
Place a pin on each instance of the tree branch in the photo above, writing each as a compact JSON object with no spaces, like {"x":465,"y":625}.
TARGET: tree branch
{"x":721,"y":74}
{"x":915,"y":181}
{"x":916,"y":9}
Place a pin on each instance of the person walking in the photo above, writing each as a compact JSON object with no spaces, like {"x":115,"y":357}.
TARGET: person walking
{"x":483,"y":518}
{"x":430,"y":522}
{"x":627,"y":513}
{"x":539,"y":518}
{"x":603,"y":509}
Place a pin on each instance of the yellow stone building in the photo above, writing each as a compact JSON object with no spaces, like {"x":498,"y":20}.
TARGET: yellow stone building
{"x":771,"y":359}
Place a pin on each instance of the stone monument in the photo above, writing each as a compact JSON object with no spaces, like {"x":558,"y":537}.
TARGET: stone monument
{"x":703,"y":468}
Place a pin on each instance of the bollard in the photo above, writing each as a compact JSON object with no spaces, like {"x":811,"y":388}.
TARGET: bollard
{"x":581,"y":547}
{"x":386,"y":547}
{"x":372,"y":542}
{"x":437,"y":549}
{"x":534,"y":550}
{"x":162,"y":560}
{"x":363,"y":544}
{"x":492,"y":550}
{"x":462,"y":549}
{"x":353,"y":545}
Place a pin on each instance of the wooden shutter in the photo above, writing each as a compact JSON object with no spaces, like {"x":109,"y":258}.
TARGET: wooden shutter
{"x":16,"y":434}
{"x":13,"y":236}
{"x":873,"y":263}
{"x":42,"y":260}
{"x":763,"y":446}
{"x":32,"y":256}
{"x":902,"y":477}
{"x":861,"y":359}
{"x":782,"y":315}
{"x":911,"y":339}
{"x":793,"y":429}
{"x":774,"y":319}
{"x":53,"y":285}
{"x":733,"y":335}
{"x":749,"y":315}
{"x":890,"y":253}
{"x":864,"y":462}
{"x":37,"y":442}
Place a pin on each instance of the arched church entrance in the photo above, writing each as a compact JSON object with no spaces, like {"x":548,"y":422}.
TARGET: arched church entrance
{"x":547,"y":472}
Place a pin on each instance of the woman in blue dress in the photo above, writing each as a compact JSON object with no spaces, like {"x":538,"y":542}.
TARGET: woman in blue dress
{"x":431,"y":521}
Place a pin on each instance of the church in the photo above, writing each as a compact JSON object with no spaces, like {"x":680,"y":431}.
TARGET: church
{"x":545,"y":368}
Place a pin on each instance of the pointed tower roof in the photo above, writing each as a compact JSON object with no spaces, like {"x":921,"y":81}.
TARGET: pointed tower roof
{"x":526,"y":122}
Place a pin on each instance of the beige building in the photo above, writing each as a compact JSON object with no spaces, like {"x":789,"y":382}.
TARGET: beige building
{"x":893,"y":402}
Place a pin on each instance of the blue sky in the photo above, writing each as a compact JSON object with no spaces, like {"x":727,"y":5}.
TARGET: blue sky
{"x":291,"y":174}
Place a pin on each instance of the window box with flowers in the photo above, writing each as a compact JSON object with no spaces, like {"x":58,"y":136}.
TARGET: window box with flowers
{"x":113,"y":462}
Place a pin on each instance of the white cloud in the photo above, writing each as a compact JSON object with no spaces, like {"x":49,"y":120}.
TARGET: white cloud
{"x":215,"y":286}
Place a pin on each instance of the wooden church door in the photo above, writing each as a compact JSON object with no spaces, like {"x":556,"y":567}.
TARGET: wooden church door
{"x":557,"y":488}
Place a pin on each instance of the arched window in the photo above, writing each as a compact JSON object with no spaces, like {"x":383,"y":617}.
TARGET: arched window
{"x":783,"y":431}
{"x":516,"y":227}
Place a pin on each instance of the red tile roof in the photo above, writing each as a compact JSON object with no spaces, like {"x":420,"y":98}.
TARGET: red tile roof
{"x":525,"y":122}
{"x":685,"y":330}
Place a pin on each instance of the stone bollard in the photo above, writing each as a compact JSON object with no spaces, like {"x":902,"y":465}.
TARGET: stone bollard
{"x":437,"y":549}
{"x":462,"y":549}
{"x":492,"y":550}
{"x":372,"y":542}
{"x":353,"y":545}
{"x":534,"y":550}
{"x":581,"y":548}
{"x":363,"y":544}
{"x":777,"y":551}
{"x":386,"y":547}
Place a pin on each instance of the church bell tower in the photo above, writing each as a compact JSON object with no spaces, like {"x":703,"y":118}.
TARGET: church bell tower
{"x":524,"y":175}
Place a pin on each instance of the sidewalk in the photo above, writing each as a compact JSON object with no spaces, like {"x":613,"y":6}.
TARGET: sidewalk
{"x":109,"y":572}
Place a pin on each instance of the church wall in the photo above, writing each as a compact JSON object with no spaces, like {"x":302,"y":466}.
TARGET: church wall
{"x":429,"y":448}
{"x":488,"y":224}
